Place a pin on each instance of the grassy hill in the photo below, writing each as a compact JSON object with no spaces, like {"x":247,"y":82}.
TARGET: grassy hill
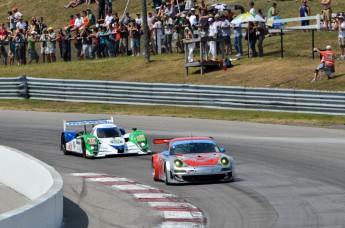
{"x":295,"y":70}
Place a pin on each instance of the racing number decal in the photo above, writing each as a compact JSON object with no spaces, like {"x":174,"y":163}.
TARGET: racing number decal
{"x":91,"y":140}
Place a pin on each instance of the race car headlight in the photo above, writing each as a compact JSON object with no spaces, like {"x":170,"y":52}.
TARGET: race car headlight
{"x":93,"y":147}
{"x":178,"y":163}
{"x":224,"y":161}
{"x":142,"y":144}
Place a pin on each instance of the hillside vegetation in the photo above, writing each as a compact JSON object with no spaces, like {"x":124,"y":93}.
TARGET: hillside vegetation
{"x":295,"y":70}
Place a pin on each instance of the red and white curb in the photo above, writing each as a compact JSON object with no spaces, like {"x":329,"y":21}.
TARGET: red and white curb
{"x":177,"y":212}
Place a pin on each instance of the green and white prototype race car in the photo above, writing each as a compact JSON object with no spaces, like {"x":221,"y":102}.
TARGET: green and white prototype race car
{"x":104,"y":139}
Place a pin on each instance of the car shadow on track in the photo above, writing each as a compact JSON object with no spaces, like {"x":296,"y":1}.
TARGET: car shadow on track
{"x":73,"y":215}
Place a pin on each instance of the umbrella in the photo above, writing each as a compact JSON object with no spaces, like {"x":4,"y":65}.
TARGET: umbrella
{"x":270,"y":22}
{"x":218,"y":6}
{"x":246,"y":17}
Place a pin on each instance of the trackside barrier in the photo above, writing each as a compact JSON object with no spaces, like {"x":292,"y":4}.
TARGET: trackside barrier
{"x":38,"y":182}
{"x":206,"y":96}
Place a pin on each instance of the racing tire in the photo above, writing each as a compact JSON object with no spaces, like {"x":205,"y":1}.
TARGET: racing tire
{"x":63,"y":145}
{"x":154,"y":172}
{"x":167,"y":176}
{"x":83,"y":148}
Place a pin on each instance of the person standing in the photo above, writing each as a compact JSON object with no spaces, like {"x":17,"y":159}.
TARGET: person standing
{"x":327,"y":13}
{"x":10,"y":21}
{"x":212,"y":33}
{"x":340,"y":26}
{"x":32,"y":47}
{"x":225,"y":29}
{"x":262,"y":30}
{"x":51,"y":45}
{"x":304,"y":11}
{"x":101,"y":9}
{"x":251,"y":38}
{"x":327,"y":62}
{"x":168,"y":32}
{"x":187,"y":36}
{"x":66,"y":46}
{"x":238,"y":39}
{"x":252,"y":9}
{"x":273,"y":11}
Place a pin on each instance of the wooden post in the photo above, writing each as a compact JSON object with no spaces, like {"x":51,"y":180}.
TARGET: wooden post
{"x":281,"y":44}
{"x":146,"y":33}
{"x":186,"y":57}
{"x":201,"y":54}
{"x":313,"y":43}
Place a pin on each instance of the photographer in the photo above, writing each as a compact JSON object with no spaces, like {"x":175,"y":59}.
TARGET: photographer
{"x":327,"y":63}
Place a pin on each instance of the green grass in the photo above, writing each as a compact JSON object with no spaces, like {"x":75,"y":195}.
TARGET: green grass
{"x":200,"y":113}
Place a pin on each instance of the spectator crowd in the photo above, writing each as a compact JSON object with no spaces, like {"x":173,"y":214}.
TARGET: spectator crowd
{"x":111,"y":35}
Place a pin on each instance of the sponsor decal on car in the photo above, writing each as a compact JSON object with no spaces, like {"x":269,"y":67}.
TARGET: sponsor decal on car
{"x":116,"y":141}
{"x":141,"y":137}
{"x":91,"y":140}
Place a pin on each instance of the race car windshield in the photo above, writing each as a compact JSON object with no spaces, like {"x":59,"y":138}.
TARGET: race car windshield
{"x":108,"y":132}
{"x":194,"y":147}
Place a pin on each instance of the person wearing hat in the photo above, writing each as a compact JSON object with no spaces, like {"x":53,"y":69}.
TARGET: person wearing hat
{"x":92,"y":17}
{"x":126,"y":19}
{"x":51,"y":45}
{"x":193,"y":19}
{"x":139,"y":20}
{"x":340,"y":26}
{"x":212,"y":32}
{"x":327,"y":63}
{"x":181,"y":23}
{"x":31,"y":47}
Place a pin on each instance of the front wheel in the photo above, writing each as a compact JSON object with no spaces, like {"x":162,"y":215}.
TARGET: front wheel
{"x":167,"y":176}
{"x":83,"y":148}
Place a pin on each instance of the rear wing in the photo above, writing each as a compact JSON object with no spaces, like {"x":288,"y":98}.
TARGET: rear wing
{"x":86,"y":122}
{"x":161,"y":141}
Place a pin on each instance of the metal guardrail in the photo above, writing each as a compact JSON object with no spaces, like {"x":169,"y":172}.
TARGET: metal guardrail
{"x":207,"y":96}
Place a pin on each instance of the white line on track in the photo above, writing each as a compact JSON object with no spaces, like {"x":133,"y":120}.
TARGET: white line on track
{"x":175,"y":214}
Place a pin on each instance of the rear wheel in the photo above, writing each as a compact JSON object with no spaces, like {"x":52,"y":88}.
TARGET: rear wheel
{"x":63,"y":145}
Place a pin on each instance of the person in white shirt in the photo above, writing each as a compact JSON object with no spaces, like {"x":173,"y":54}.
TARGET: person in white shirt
{"x":193,"y":19}
{"x":108,"y":19}
{"x":340,"y":26}
{"x":212,"y":32}
{"x":17,"y":15}
{"x":252,"y":9}
{"x":21,"y":24}
{"x":79,"y":21}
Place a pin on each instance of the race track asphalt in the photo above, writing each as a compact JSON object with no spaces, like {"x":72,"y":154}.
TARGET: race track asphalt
{"x":287,"y":176}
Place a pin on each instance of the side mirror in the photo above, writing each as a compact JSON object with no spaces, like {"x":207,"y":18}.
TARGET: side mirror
{"x":166,"y":153}
{"x":222,"y":150}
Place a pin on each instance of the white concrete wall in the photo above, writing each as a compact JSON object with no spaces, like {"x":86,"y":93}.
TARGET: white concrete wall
{"x":37,"y":181}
